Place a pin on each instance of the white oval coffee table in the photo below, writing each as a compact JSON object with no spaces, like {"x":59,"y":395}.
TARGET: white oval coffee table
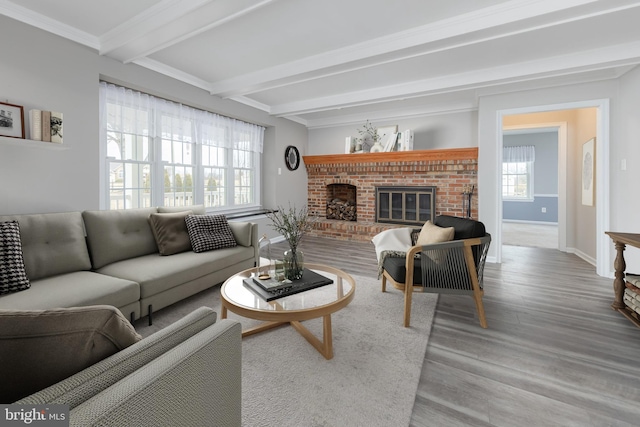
{"x":292,"y":309}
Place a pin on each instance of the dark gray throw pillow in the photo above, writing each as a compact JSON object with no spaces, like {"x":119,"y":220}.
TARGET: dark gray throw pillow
{"x":208,"y":232}
{"x":170,"y":232}
{"x":13,"y":276}
{"x":39,"y":348}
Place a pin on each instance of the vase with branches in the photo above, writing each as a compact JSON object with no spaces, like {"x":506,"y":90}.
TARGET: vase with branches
{"x":293,"y":224}
{"x":368,"y":135}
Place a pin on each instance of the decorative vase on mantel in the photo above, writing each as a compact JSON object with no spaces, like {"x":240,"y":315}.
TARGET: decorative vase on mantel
{"x":293,"y":264}
{"x":377,"y":147}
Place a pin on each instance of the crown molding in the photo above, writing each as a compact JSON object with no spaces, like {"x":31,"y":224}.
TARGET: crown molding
{"x":45,"y":23}
{"x":322,"y":65}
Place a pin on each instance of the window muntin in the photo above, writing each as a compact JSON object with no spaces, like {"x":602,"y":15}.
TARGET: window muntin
{"x":161,"y":153}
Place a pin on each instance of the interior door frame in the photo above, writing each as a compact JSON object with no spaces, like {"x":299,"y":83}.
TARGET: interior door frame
{"x":604,"y":261}
{"x":561,"y":129}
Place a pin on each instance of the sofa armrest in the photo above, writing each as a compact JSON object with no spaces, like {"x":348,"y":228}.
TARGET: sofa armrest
{"x":246,"y":234}
{"x":79,"y":387}
{"x":197,"y":383}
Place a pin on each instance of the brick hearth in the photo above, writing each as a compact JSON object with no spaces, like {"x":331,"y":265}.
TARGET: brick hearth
{"x":448,"y":170}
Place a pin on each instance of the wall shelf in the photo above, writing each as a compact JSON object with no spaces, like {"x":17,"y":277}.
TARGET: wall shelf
{"x":30,"y":143}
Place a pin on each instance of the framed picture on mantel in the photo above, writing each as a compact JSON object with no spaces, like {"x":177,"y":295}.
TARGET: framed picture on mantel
{"x":11,"y":120}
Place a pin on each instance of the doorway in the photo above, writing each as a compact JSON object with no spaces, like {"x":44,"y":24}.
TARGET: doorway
{"x":571,"y":239}
{"x":533,"y":219}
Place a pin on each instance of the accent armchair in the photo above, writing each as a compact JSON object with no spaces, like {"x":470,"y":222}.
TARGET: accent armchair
{"x":453,"y":267}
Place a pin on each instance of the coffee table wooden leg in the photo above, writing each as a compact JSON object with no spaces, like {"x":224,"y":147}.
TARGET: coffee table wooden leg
{"x":325,"y":347}
{"x":223,"y":312}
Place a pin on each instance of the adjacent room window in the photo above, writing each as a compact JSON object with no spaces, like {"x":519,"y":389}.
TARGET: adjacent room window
{"x":517,"y":172}
{"x":160,"y":153}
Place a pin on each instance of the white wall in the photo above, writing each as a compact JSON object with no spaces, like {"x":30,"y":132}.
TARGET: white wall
{"x":624,"y":183}
{"x":40,"y":70}
{"x":430,"y":132}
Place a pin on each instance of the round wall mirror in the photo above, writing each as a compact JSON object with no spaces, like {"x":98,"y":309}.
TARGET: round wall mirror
{"x":292,"y":158}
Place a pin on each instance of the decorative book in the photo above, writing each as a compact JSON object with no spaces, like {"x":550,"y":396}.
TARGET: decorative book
{"x":56,"y":127}
{"x":46,"y":126}
{"x":268,"y":290}
{"x":35,"y":118}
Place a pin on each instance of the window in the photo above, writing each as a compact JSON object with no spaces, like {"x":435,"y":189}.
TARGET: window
{"x":162,"y":153}
{"x":517,"y":173}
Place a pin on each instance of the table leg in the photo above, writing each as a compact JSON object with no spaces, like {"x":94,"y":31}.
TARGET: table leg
{"x":223,"y":312}
{"x":324,"y":347}
{"x":618,"y":284}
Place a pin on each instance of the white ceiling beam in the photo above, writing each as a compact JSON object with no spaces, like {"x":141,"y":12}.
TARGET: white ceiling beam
{"x":597,"y":59}
{"x":179,"y":75}
{"x":171,"y":22}
{"x":393,"y":114}
{"x":30,"y":17}
{"x":347,"y":58}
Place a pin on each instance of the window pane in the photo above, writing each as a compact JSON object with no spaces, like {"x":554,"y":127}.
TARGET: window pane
{"x":214,"y":187}
{"x":243,"y":191}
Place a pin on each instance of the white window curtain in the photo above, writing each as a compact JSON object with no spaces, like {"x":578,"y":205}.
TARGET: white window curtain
{"x":519,"y":154}
{"x":205,"y":127}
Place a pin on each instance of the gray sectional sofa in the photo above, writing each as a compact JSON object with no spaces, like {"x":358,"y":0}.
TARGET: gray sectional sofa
{"x":111,"y":258}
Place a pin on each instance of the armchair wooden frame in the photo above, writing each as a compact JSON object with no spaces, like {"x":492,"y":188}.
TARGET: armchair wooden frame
{"x":449,"y":267}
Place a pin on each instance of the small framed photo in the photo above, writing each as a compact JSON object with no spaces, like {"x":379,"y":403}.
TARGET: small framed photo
{"x":11,"y":120}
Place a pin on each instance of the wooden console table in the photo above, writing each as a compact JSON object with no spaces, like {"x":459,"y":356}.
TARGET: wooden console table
{"x":621,"y":240}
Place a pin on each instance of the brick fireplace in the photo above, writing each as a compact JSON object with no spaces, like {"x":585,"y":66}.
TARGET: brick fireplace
{"x":449,"y":171}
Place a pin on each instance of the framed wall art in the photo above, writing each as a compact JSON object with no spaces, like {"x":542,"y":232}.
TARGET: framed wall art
{"x":11,"y":120}
{"x":588,"y":171}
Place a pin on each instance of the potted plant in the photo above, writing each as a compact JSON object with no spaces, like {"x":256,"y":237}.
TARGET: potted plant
{"x":292,"y":223}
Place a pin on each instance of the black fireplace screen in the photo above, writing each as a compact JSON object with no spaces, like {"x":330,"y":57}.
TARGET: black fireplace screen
{"x":405,"y":205}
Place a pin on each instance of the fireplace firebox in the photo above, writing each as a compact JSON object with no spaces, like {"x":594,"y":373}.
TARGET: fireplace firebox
{"x":409,"y":205}
{"x":341,"y":202}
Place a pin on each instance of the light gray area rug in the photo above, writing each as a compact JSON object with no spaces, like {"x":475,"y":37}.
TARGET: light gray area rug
{"x":371,"y":380}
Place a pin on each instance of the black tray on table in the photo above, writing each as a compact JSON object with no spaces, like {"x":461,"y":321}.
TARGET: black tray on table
{"x":270,"y":289}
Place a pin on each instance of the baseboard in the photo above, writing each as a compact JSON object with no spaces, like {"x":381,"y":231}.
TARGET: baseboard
{"x":582,"y":255}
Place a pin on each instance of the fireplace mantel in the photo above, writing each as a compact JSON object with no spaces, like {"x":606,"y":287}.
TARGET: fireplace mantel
{"x":394,"y":156}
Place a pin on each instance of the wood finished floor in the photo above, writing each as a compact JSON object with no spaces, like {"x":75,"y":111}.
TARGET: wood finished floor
{"x":555,"y":354}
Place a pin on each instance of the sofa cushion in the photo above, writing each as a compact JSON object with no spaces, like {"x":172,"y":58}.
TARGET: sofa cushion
{"x":119,"y":234}
{"x":170,"y":232}
{"x":52,"y":243}
{"x":431,"y":233}
{"x":156,"y":273}
{"x":41,"y":347}
{"x":196,"y":209}
{"x":13,"y":277}
{"x":80,"y":288}
{"x":209,"y":232}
